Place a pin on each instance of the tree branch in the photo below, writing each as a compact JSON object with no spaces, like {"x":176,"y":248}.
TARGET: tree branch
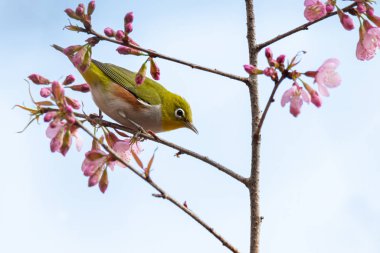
{"x":253,"y":184}
{"x":162,"y":56}
{"x":269,"y":102}
{"x":300,"y":28}
{"x":152,"y":137}
{"x":164,"y":194}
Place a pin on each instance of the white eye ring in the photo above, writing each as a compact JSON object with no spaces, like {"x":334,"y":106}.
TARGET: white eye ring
{"x":179,"y":113}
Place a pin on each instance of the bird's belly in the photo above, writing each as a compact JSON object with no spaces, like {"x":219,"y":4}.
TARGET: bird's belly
{"x":148,"y":117}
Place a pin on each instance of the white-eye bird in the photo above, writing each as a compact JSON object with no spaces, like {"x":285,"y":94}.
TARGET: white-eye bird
{"x":149,"y":105}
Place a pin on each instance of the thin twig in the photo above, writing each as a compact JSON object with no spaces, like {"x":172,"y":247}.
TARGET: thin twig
{"x":300,"y":28}
{"x":253,"y":185}
{"x":163,"y":193}
{"x":269,"y":102}
{"x":162,"y":56}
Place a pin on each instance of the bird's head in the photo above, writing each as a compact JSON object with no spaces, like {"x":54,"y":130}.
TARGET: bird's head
{"x":176,"y":113}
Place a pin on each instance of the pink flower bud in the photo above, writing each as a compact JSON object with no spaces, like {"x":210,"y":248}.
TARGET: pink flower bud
{"x":109,"y":32}
{"x":128,"y":18}
{"x":128,"y":28}
{"x":269,"y":72}
{"x":72,"y":14}
{"x":45,"y":92}
{"x":73,"y":103}
{"x":49,"y":116}
{"x":316,"y":99}
{"x":281,"y":59}
{"x":370,"y":11}
{"x":249,"y":68}
{"x":79,"y":11}
{"x":154,"y":70}
{"x":140,"y":76}
{"x":346,"y":21}
{"x":81,"y":87}
{"x":38,"y":79}
{"x":119,"y":35}
{"x":268,"y":53}
{"x":329,"y":8}
{"x":103,"y":183}
{"x":57,"y":90}
{"x":90,"y":8}
{"x":70,"y":118}
{"x":94,"y":179}
{"x":69,"y":80}
{"x":361,"y":8}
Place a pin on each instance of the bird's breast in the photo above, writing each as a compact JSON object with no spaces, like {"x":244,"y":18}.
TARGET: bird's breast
{"x":123,"y":107}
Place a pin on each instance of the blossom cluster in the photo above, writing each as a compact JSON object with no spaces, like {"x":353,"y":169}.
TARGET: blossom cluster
{"x":97,"y":161}
{"x":81,"y":55}
{"x":369,"y":29}
{"x":63,"y":127}
{"x":325,"y":77}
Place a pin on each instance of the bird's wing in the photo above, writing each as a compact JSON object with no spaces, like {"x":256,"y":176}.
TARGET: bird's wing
{"x":148,"y":92}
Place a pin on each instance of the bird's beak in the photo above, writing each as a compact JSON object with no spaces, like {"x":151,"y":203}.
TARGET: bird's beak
{"x":190,"y":126}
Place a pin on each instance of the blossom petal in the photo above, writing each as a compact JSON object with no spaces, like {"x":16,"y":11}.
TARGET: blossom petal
{"x":323,"y":90}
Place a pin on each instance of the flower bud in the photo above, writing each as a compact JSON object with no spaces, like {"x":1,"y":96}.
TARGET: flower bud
{"x":269,"y":71}
{"x":329,"y":8}
{"x":281,"y":59}
{"x":128,"y":18}
{"x":346,"y":21}
{"x":90,"y":8}
{"x":154,"y":70}
{"x":45,"y":92}
{"x":73,"y":103}
{"x":140,"y":76}
{"x":103,"y":183}
{"x":79,"y":11}
{"x":128,"y":50}
{"x":70,"y":118}
{"x":38,"y":79}
{"x":57,"y":90}
{"x":316,"y":99}
{"x":361,"y":8}
{"x":268,"y":53}
{"x":69,"y":80}
{"x":128,"y":28}
{"x":72,"y":14}
{"x":80,"y":87}
{"x":109,"y":32}
{"x":49,"y":116}
{"x":119,"y":35}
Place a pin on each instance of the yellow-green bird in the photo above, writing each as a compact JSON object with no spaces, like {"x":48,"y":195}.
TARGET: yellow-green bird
{"x":149,"y":105}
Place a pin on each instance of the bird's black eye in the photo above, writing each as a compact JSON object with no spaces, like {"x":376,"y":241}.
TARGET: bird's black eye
{"x":179,"y":113}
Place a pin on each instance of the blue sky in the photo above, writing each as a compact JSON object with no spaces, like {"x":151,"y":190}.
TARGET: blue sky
{"x":319,"y":173}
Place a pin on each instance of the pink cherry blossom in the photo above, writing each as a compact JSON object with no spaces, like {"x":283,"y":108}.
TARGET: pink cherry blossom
{"x":314,"y":9}
{"x":60,"y":133}
{"x":327,"y":77}
{"x":94,"y":160}
{"x":295,"y":95}
{"x":368,"y":43}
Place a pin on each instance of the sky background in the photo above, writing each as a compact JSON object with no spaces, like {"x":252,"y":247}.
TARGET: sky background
{"x":319,"y":173}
